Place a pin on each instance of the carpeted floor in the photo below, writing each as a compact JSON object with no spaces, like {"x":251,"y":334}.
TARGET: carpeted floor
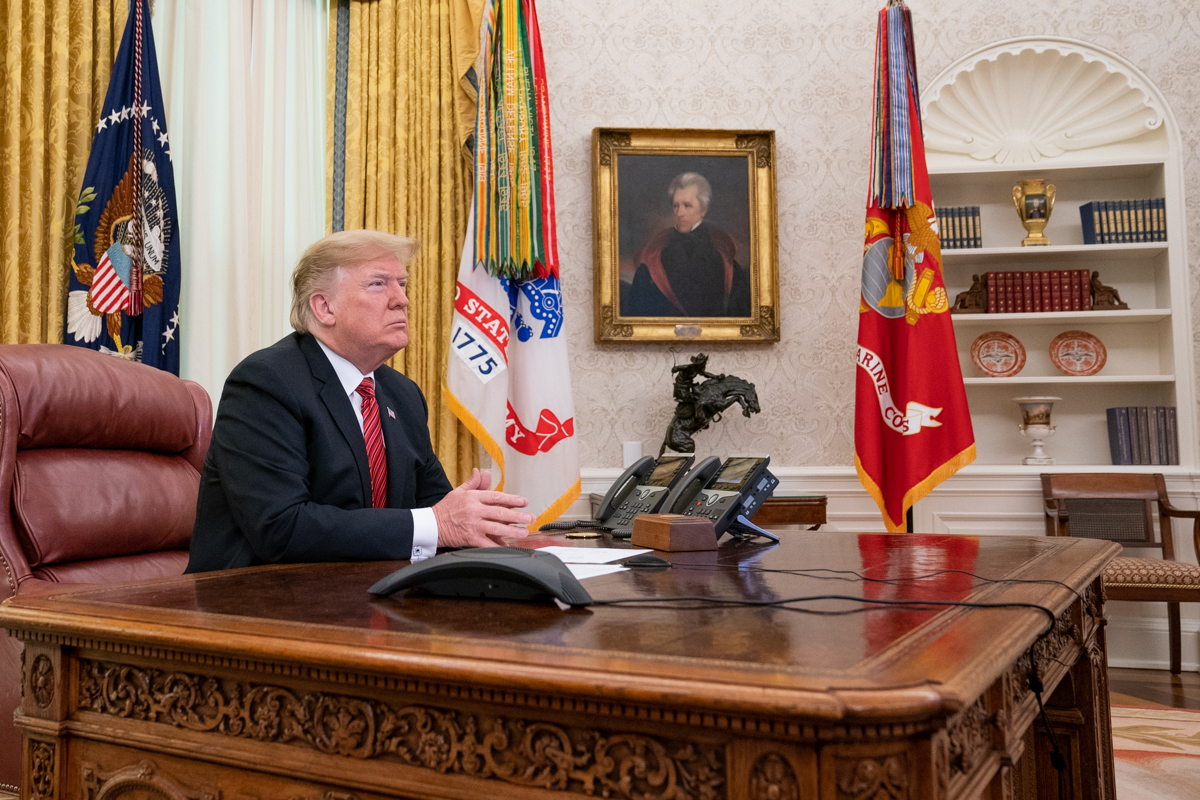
{"x":1157,"y":752}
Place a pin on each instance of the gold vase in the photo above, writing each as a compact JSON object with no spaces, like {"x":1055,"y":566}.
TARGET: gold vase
{"x":1034,"y":200}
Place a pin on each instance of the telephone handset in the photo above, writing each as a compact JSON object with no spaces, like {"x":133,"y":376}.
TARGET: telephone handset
{"x":728,"y":494}
{"x":640,"y":490}
{"x":685,"y":492}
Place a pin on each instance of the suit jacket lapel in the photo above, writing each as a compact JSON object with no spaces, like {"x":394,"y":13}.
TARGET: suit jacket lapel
{"x":338,"y":405}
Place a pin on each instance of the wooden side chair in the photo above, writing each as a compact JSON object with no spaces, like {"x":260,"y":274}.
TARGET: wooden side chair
{"x":1119,"y":508}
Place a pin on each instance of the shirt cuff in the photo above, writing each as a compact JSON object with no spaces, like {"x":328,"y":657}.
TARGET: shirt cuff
{"x":425,"y":534}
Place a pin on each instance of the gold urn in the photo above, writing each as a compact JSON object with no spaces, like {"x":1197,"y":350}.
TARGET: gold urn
{"x":1034,"y":200}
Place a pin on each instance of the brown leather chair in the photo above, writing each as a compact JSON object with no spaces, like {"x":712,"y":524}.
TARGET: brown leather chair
{"x":99,"y":468}
{"x":1119,"y":508}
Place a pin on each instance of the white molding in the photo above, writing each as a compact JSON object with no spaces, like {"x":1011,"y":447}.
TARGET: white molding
{"x":1143,"y":643}
{"x":1015,"y":102}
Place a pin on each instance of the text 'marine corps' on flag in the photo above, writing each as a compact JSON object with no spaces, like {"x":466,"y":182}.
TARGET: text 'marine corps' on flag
{"x":508,"y":378}
{"x":123,"y":297}
{"x":912,"y":427}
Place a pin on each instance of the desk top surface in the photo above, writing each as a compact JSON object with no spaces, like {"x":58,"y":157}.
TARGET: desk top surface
{"x":827,"y":658}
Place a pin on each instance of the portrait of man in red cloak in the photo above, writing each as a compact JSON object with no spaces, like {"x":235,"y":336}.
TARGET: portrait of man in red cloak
{"x":684,"y":264}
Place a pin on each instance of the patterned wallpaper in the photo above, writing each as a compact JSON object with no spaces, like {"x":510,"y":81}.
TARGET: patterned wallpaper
{"x":804,"y":70}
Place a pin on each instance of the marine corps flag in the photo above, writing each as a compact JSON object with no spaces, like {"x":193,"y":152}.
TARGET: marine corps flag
{"x":912,"y":428}
{"x":508,"y":378}
{"x":124,"y":289}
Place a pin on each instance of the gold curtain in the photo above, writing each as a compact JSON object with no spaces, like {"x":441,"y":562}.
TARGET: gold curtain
{"x":405,"y":171}
{"x":58,"y":56}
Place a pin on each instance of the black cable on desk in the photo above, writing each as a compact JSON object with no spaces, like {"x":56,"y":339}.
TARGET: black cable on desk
{"x":1057,"y":760}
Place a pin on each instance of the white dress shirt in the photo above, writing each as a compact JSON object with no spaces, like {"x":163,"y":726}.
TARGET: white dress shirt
{"x":425,"y":530}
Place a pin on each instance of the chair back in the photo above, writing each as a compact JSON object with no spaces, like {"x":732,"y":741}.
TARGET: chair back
{"x":100,"y":464}
{"x":1111,"y":506}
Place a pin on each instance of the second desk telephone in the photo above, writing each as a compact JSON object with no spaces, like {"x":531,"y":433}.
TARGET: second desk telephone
{"x":728,"y":493}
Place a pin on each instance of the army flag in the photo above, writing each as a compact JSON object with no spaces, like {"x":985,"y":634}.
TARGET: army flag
{"x":123,"y":297}
{"x":912,"y":427}
{"x":508,"y":378}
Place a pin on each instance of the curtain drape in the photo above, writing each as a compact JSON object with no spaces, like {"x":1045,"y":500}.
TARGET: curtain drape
{"x":397,"y":165}
{"x":57,"y":58}
{"x":244,"y":85}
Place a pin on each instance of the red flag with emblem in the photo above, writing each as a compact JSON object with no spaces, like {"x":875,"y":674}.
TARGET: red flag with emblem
{"x":912,"y":427}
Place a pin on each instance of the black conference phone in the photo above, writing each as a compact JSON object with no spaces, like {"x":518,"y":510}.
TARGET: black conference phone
{"x":728,"y":494}
{"x":641,"y":489}
{"x":505,"y":573}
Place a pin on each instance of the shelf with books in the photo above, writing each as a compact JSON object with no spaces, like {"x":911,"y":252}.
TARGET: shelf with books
{"x":1061,"y":318}
{"x":1073,"y":254}
{"x":1080,"y":416}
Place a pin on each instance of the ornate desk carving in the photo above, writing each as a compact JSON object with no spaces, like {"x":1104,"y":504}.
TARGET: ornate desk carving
{"x":213,"y":686}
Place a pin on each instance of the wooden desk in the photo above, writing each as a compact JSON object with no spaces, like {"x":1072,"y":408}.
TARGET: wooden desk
{"x":292,"y":682}
{"x":804,"y":509}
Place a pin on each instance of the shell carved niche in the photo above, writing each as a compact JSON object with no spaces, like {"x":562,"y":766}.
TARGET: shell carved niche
{"x":1025,"y":100}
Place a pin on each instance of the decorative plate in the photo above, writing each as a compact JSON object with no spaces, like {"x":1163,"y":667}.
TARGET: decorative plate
{"x":1077,"y":353}
{"x":998,"y":355}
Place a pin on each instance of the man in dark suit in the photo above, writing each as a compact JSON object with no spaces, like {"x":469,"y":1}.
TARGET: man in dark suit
{"x":320,"y":452}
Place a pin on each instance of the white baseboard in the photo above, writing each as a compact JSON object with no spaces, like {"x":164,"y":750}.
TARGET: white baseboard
{"x":1143,"y":643}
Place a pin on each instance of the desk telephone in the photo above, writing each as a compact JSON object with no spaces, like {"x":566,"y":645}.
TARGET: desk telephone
{"x":641,"y":489}
{"x":728,"y":494}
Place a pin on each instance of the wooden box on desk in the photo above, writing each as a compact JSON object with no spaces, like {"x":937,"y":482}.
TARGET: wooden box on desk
{"x":673,"y":532}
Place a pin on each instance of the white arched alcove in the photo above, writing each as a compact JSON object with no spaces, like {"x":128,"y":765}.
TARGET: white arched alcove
{"x":1029,"y":100}
{"x":1093,"y":124}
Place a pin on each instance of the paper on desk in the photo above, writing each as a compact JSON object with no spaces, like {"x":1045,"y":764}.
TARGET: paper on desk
{"x":585,"y":571}
{"x":589,"y":555}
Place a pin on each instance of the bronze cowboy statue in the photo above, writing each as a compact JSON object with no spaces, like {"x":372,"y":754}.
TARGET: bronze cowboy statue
{"x":698,"y":405}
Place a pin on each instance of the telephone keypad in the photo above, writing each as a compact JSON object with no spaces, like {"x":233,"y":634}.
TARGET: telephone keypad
{"x":643,"y":500}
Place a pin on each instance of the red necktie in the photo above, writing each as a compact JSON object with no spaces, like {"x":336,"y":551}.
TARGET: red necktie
{"x":373,"y":434}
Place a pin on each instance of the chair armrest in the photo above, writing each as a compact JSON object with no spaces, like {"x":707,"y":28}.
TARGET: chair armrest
{"x":1056,"y":513}
{"x":1172,"y":511}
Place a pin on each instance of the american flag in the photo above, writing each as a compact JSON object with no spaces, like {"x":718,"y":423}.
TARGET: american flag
{"x":109,"y":292}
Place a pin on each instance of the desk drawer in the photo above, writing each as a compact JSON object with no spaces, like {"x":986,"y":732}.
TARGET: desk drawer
{"x":98,"y":770}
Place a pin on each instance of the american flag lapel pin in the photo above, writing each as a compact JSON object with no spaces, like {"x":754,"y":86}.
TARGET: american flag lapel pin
{"x":391,"y":413}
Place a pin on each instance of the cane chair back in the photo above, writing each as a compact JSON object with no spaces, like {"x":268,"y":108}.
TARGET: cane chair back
{"x":1113,"y":507}
{"x":1120,"y":508}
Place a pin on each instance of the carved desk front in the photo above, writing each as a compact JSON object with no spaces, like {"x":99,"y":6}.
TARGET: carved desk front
{"x":292,"y":682}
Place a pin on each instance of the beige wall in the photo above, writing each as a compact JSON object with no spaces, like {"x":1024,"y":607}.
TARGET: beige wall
{"x":802,"y":68}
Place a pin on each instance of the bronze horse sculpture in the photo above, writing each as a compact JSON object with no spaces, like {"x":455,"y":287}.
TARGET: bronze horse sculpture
{"x":701,"y":404}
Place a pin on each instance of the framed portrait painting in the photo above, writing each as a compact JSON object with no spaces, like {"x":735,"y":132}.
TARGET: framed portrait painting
{"x":685,"y":235}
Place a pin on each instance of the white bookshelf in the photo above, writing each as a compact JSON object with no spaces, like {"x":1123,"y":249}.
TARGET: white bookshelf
{"x":1088,"y":155}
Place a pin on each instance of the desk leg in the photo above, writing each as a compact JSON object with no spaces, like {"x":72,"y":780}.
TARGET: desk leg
{"x":1079,"y":712}
{"x":1091,"y":678}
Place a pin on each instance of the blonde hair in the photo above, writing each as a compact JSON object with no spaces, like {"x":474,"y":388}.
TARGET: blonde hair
{"x":316,"y":271}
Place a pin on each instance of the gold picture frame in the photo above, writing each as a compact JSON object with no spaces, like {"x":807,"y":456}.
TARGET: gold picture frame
{"x":645,"y":200}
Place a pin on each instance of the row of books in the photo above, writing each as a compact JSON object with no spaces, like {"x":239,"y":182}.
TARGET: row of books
{"x":1143,"y":435}
{"x":1124,"y":221}
{"x":1048,"y":290}
{"x":959,"y":227}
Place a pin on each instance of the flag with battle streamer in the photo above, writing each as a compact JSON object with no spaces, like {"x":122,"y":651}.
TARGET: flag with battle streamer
{"x":912,"y":426}
{"x":123,"y":297}
{"x":508,"y":376}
